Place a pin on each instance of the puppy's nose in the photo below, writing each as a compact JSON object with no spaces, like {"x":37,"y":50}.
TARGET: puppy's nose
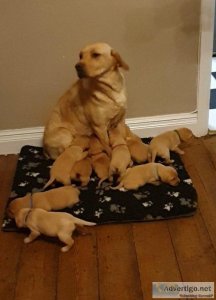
{"x":80,"y":70}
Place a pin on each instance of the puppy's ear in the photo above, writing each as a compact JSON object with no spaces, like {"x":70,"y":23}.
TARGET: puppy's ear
{"x":119,"y":60}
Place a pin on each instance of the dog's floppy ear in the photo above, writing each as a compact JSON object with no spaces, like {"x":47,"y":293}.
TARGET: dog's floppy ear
{"x":119,"y":60}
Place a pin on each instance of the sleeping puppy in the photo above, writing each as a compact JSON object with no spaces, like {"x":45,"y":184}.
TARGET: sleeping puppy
{"x":121,"y":157}
{"x":153,"y":173}
{"x":54,"y":199}
{"x":81,"y":171}
{"x":99,"y":159}
{"x":62,"y":166}
{"x":162,"y":144}
{"x":54,"y":224}
{"x":96,"y":102}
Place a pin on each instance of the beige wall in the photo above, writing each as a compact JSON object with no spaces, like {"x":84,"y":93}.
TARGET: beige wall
{"x":40,"y":41}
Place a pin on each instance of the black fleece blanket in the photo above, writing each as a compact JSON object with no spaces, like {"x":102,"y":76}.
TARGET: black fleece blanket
{"x":104,"y":205}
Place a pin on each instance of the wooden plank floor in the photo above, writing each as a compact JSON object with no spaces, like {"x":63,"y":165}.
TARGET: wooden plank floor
{"x":116,"y":262}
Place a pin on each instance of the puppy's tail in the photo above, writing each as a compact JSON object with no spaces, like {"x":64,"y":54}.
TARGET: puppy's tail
{"x":152,"y":155}
{"x":51,"y":180}
{"x":149,"y":155}
{"x":81,"y":222}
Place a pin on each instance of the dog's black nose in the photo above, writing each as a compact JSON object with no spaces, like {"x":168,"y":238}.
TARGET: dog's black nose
{"x":80,"y":70}
{"x":78,"y":67}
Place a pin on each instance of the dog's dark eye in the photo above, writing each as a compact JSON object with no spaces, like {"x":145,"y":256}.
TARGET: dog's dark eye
{"x":95,"y":55}
{"x":81,"y":56}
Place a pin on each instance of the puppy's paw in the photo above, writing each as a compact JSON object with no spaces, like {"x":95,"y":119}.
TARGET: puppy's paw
{"x":65,"y":248}
{"x":122,"y":189}
{"x":27,"y":240}
{"x":169,"y":161}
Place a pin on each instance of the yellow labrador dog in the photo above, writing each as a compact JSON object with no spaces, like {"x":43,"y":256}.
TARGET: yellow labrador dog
{"x":54,"y":199}
{"x":95,"y":103}
{"x":53,"y":224}
{"x":62,"y":166}
{"x":99,"y":159}
{"x":153,"y":173}
{"x":162,"y":144}
{"x":121,"y":157}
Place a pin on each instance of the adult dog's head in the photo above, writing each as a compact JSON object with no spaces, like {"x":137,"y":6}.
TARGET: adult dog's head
{"x":97,"y":59}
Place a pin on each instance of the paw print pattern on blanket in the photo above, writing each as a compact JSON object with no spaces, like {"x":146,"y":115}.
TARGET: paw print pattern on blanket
{"x":104,"y":205}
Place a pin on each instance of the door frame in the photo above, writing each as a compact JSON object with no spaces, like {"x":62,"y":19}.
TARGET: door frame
{"x":205,"y":64}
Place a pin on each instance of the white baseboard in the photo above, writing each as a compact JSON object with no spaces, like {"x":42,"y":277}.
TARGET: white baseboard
{"x":11,"y":141}
{"x":151,"y":126}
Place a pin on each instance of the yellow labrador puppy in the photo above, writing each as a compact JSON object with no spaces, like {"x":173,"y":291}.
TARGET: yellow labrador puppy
{"x":96,"y":102}
{"x":54,"y":224}
{"x":139,"y":151}
{"x":99,"y":159}
{"x":162,"y":144}
{"x":81,"y":171}
{"x":121,"y":157}
{"x":62,"y":166}
{"x":153,"y":173}
{"x":54,"y":199}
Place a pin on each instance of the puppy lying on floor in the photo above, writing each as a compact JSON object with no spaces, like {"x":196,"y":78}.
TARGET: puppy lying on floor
{"x":62,"y":166}
{"x":54,"y":224}
{"x":99,"y":159}
{"x":153,"y":173}
{"x":162,"y":144}
{"x":54,"y":199}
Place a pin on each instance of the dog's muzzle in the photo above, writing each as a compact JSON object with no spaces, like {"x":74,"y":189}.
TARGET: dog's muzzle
{"x":80,"y":70}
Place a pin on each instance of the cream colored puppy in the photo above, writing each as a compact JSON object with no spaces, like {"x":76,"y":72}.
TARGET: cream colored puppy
{"x":96,"y":102}
{"x":81,"y":141}
{"x":54,"y":224}
{"x":139,"y":151}
{"x":62,"y":166}
{"x":121,"y":157}
{"x":99,"y":159}
{"x":54,"y":199}
{"x":81,"y":171}
{"x":153,"y":173}
{"x":162,"y":144}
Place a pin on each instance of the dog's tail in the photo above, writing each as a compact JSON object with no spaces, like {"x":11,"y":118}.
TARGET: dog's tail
{"x":152,"y":155}
{"x":81,"y":222}
{"x":51,"y":180}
